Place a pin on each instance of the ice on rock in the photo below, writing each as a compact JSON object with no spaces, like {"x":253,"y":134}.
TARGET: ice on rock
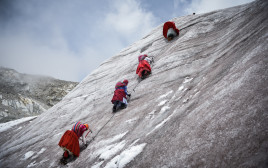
{"x":28,"y":155}
{"x":125,"y":157}
{"x":206,"y":96}
{"x":162,"y":103}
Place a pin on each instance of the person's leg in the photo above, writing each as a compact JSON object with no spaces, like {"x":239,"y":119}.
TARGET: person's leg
{"x":66,"y":154}
{"x":142,"y":74}
{"x":115,"y":106}
{"x":124,"y":103}
{"x":65,"y":157}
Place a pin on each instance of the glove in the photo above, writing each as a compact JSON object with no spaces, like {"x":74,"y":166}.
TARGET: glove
{"x":129,"y":95}
{"x":86,"y":145}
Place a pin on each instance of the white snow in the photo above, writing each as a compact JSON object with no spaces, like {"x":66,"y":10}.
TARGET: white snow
{"x":111,"y":140}
{"x":33,"y":164}
{"x":151,"y":115}
{"x":131,"y":120}
{"x":162,"y":103}
{"x":164,"y":109}
{"x":160,"y":125}
{"x":108,"y":151}
{"x":40,"y":152}
{"x":125,"y":157}
{"x":165,"y":95}
{"x":187,"y":79}
{"x":28,"y":155}
{"x":97,"y":165}
{"x":181,"y":87}
{"x":10,"y":124}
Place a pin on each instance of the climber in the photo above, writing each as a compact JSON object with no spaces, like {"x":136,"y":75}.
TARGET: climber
{"x":69,"y":142}
{"x":170,"y":31}
{"x":120,"y":95}
{"x":144,"y":68}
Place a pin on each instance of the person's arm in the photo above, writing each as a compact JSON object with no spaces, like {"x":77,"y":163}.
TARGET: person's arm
{"x":125,"y":88}
{"x":84,"y":138}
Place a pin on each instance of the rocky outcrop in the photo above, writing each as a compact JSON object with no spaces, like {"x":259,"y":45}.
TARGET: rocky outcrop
{"x":24,"y":95}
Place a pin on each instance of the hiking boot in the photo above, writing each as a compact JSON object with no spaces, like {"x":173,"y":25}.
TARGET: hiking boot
{"x":63,"y":161}
{"x":114,"y":108}
{"x":123,"y":106}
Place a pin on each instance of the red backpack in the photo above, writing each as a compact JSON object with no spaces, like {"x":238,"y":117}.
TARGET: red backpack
{"x":119,"y":84}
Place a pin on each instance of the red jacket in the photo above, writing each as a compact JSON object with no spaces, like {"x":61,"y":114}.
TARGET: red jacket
{"x":143,"y":65}
{"x":168,"y":25}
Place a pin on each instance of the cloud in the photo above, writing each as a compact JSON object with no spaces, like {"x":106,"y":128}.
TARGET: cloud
{"x":203,"y":6}
{"x":66,"y":39}
{"x":129,"y":20}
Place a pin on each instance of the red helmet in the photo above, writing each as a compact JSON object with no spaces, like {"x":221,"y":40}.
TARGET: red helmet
{"x":125,"y":81}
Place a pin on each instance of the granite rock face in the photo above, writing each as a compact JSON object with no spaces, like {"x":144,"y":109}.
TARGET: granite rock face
{"x":23,"y":95}
{"x":204,"y":105}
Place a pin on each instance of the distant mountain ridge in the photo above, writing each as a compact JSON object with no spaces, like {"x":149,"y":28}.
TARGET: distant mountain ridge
{"x":24,"y":95}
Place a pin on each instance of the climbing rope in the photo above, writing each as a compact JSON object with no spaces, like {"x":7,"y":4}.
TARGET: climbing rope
{"x":101,"y":128}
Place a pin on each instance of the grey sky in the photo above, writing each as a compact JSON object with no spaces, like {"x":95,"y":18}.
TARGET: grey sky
{"x":68,"y":39}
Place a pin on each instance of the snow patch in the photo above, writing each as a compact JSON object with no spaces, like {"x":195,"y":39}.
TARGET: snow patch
{"x":10,"y":124}
{"x":97,"y":165}
{"x":162,"y":123}
{"x":165,"y":95}
{"x":131,"y":120}
{"x":150,"y":115}
{"x":108,"y":151}
{"x":162,"y":103}
{"x":19,"y":128}
{"x":111,"y":140}
{"x":125,"y":157}
{"x":185,"y":100}
{"x":180,"y":88}
{"x":33,"y":164}
{"x":187,"y":79}
{"x":28,"y":155}
{"x":40,"y":152}
{"x":137,"y":140}
{"x":164,"y":109}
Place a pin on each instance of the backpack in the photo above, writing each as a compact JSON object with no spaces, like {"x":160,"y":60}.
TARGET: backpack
{"x":119,"y":84}
{"x":76,"y":127}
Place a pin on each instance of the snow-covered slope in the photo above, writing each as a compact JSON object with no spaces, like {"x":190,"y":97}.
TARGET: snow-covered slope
{"x":205,"y":104}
